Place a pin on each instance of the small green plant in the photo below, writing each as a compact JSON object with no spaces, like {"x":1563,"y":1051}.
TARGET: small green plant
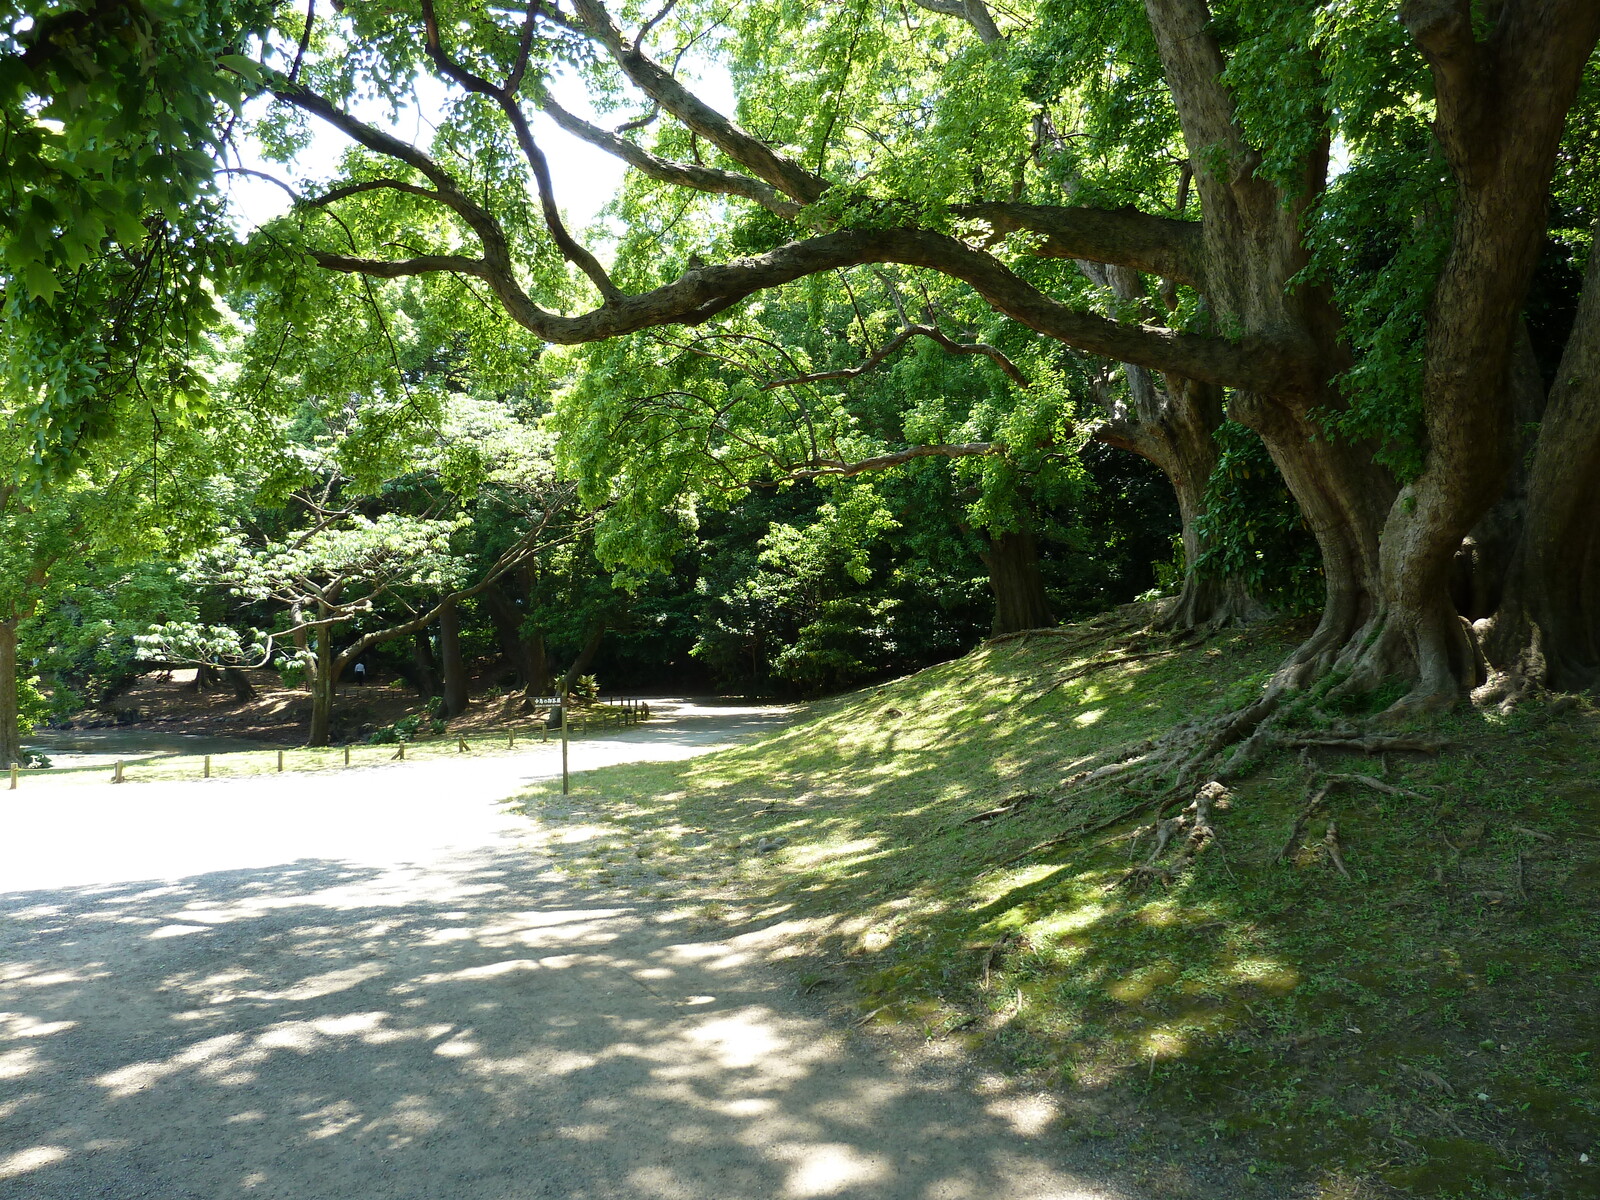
{"x":292,"y":673}
{"x":403,"y":730}
{"x":586,"y":687}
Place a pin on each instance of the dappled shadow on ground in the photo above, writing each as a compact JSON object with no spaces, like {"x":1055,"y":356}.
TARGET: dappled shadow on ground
{"x":470,"y":1027}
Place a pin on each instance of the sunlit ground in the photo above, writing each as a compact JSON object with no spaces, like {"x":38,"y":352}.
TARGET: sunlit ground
{"x":415,"y":1006}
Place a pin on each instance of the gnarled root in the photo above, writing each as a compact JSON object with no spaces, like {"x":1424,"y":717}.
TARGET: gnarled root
{"x":1192,"y":825}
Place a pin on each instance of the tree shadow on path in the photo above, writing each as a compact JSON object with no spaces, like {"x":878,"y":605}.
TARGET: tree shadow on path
{"x":470,"y":1027}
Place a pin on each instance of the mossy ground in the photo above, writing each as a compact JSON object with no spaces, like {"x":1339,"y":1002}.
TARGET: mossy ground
{"x":1425,"y":1027}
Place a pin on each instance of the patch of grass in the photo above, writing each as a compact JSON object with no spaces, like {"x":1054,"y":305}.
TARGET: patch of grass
{"x":1427,"y":1027}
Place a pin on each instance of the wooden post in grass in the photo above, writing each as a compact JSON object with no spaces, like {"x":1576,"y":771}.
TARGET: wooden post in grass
{"x":347,"y":754}
{"x":206,"y":770}
{"x":566,"y":783}
{"x":511,"y":739}
{"x":280,"y":760}
{"x":13,"y":777}
{"x":116,"y":775}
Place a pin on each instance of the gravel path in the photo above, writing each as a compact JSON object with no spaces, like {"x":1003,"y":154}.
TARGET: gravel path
{"x":370,"y":984}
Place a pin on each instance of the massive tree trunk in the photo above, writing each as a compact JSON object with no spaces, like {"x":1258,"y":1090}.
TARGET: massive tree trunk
{"x":451,"y":665}
{"x":1252,"y":253}
{"x":1547,"y":628}
{"x":1019,"y":597}
{"x":1502,"y":102}
{"x":10,"y":717}
{"x":424,"y":670}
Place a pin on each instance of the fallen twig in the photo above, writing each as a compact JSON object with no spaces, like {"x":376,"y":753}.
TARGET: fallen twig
{"x":1539,"y":834}
{"x":994,"y":953}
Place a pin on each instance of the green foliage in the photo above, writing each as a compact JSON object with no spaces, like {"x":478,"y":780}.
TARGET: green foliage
{"x":113,"y":118}
{"x":405,"y":730}
{"x":1252,"y":529}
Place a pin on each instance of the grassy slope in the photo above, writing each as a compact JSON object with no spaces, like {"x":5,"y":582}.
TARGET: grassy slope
{"x":1420,"y":1028}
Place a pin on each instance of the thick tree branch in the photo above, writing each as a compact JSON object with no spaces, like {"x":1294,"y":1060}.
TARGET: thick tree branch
{"x":689,"y":175}
{"x":974,"y":12}
{"x":507,"y":101}
{"x":422,"y":264}
{"x":369,"y":185}
{"x":905,"y":335}
{"x":1253,"y":364}
{"x":1157,"y":245}
{"x":738,"y":144}
{"x":837,"y":468}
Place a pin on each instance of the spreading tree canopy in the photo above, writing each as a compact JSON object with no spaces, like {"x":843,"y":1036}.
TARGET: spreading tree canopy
{"x":1324,"y":220}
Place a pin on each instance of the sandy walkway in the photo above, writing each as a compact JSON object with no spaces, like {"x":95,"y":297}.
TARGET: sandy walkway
{"x":369,"y":985}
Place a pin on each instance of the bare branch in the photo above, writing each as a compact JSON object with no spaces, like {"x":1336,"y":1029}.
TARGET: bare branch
{"x":737,"y":143}
{"x":689,"y":175}
{"x":905,"y":335}
{"x":882,"y":462}
{"x":506,"y":99}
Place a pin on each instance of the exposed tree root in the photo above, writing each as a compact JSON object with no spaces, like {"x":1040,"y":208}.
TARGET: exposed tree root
{"x":1379,"y":785}
{"x":1011,"y":805}
{"x":1330,"y":843}
{"x":1369,"y":743}
{"x":1306,"y":814}
{"x":1194,"y":824}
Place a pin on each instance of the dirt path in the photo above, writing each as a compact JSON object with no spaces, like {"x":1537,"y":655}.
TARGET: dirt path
{"x":370,"y":985}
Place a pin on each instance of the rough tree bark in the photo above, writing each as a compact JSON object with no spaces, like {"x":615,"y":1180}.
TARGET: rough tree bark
{"x":1502,"y":102}
{"x":322,"y":671}
{"x":1019,"y":596}
{"x":10,"y":718}
{"x":1173,"y":427}
{"x":452,"y":668}
{"x":423,"y":666}
{"x":1547,"y":629}
{"x":591,"y":647}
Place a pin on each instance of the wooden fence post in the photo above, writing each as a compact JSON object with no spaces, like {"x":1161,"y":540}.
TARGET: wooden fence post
{"x":347,"y":754}
{"x":206,"y":770}
{"x":116,"y":776}
{"x":13,"y":777}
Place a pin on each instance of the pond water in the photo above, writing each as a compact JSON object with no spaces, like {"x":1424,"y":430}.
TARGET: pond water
{"x":102,"y":747}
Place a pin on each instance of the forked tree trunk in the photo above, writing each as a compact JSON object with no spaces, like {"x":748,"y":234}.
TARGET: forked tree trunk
{"x":1547,"y":629}
{"x":243,"y":689}
{"x":517,"y":649}
{"x":1502,"y":101}
{"x":1019,"y":596}
{"x":451,"y":666}
{"x":10,"y":715}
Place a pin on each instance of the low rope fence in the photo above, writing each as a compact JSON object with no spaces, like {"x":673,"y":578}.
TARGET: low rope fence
{"x":616,"y":713}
